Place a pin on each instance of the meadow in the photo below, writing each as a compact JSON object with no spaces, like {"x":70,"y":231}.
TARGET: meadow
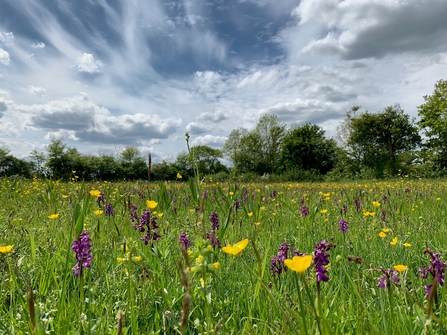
{"x":222,"y":258}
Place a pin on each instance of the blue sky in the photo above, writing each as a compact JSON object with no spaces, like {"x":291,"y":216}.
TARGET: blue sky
{"x":102,"y":74}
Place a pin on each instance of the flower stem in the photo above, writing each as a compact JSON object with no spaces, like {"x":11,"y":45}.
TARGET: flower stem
{"x":300,"y":299}
{"x":319,"y":312}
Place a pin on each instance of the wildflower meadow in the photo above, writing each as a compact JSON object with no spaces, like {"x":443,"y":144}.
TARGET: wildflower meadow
{"x":201,"y":257}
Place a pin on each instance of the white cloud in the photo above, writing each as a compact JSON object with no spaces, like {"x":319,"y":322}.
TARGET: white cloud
{"x":8,"y":129}
{"x":215,"y":116}
{"x":209,"y":140}
{"x":87,"y":63}
{"x":38,"y":45}
{"x":373,"y":29}
{"x":79,"y":118}
{"x":4,"y":94}
{"x":4,"y":57}
{"x":37,"y":90}
{"x":3,"y":106}
{"x":7,"y":39}
{"x":197,"y":128}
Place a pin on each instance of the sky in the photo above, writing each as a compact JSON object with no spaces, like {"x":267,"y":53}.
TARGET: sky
{"x":105,"y":74}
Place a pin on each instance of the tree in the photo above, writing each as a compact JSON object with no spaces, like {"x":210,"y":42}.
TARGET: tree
{"x":259,"y":150}
{"x":375,"y":140}
{"x":232,"y":146}
{"x":109,"y":168}
{"x":433,"y":114}
{"x":271,"y":134}
{"x":133,"y":163}
{"x":164,"y":171}
{"x":39,"y":160}
{"x":61,"y":159}
{"x":307,"y":148}
{"x":206,"y":158}
{"x":10,"y":165}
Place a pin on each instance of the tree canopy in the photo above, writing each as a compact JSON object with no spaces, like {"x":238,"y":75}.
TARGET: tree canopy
{"x":376,"y":140}
{"x":433,"y":114}
{"x":307,"y":148}
{"x":258,"y":150}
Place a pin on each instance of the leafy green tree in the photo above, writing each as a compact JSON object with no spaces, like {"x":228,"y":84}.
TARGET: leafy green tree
{"x":133,"y":164}
{"x":231,"y":147}
{"x":164,"y":171}
{"x":206,"y":158}
{"x":433,"y":114}
{"x":10,"y":165}
{"x":259,"y":150}
{"x":375,"y":140}
{"x":307,"y":148}
{"x":271,"y":133}
{"x":61,"y":160}
{"x":109,"y":168}
{"x":4,"y":152}
{"x":39,"y":158}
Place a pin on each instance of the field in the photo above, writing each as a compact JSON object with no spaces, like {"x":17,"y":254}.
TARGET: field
{"x":218,"y":258}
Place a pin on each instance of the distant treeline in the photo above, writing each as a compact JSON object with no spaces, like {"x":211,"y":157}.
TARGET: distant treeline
{"x":368,"y":146}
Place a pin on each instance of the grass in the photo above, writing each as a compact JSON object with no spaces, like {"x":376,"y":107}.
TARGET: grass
{"x":158,"y":288}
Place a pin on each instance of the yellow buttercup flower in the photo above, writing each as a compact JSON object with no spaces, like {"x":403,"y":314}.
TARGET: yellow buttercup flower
{"x":323,"y":211}
{"x":6,"y":249}
{"x":376,"y":204}
{"x":237,"y":248}
{"x":179,"y":176}
{"x":257,"y":223}
{"x":406,"y":244}
{"x":98,"y":212}
{"x":216,"y":265}
{"x":299,"y":263}
{"x":95,"y":193}
{"x":382,"y":234}
{"x":199,"y":259}
{"x":400,"y":267}
{"x":385,"y":230}
{"x":53,"y":216}
{"x":394,"y":241}
{"x":250,"y":214}
{"x":64,"y":196}
{"x":125,"y":259}
{"x":151,"y":204}
{"x":231,"y":193}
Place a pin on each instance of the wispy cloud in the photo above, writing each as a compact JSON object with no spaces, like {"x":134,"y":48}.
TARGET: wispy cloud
{"x":38,"y":45}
